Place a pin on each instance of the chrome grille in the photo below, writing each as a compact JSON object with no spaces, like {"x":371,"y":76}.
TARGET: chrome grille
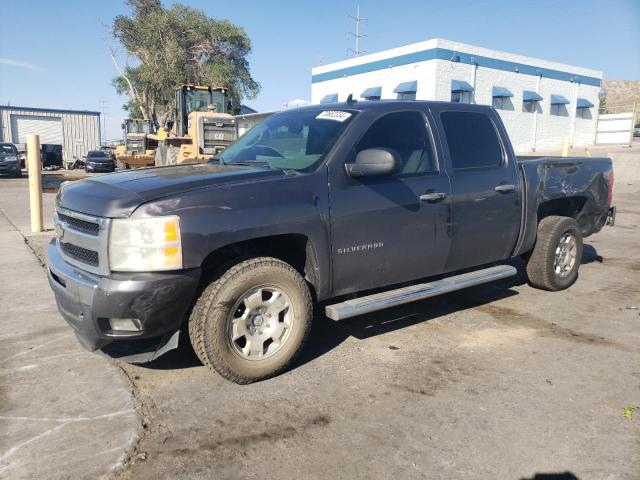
{"x":82,"y":240}
{"x":82,"y":225}
{"x":83,"y":255}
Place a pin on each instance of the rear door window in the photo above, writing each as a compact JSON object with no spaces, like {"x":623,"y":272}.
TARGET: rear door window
{"x":472,"y":139}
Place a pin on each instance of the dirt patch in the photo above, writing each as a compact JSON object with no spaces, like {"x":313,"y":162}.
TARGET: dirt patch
{"x":429,"y":378}
{"x":493,"y":337}
{"x":517,"y":319}
{"x":271,"y":433}
{"x":633,"y":265}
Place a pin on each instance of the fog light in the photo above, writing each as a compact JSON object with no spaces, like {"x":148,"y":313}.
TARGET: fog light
{"x":125,"y":324}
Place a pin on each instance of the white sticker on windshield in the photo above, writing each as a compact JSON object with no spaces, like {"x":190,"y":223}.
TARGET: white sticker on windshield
{"x":336,"y":115}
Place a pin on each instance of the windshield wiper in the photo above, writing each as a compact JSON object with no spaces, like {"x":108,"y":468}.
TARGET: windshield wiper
{"x":251,"y":163}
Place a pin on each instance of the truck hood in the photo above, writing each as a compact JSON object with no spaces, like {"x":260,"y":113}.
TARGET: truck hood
{"x":117,"y":195}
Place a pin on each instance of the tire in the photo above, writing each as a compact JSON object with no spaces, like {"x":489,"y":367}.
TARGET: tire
{"x":242,"y":303}
{"x":550,"y":266}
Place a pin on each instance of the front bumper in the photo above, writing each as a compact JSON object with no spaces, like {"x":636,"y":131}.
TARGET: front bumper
{"x":100,"y":167}
{"x":87,"y":302}
{"x":9,"y":167}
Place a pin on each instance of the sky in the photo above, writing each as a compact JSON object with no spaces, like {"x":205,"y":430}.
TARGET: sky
{"x":62,"y":60}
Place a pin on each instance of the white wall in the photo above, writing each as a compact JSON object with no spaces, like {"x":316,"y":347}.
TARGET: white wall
{"x":387,"y":79}
{"x":434,"y":83}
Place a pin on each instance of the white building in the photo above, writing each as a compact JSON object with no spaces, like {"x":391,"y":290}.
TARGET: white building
{"x":539,"y":101}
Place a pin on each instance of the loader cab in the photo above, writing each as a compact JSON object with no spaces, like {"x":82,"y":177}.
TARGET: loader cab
{"x":133,"y":125}
{"x":190,"y":98}
{"x":135,"y":135}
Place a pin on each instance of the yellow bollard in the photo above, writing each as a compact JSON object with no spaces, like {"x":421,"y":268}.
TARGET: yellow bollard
{"x":565,"y":147}
{"x":35,"y":181}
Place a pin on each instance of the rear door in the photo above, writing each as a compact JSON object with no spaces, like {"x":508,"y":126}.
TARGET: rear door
{"x":485,"y":189}
{"x":382,"y":232}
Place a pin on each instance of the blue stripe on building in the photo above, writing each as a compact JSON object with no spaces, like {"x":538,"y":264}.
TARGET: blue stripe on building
{"x":458,"y":57}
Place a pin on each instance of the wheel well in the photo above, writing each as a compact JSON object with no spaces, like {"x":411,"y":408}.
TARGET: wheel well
{"x":294,"y":249}
{"x":565,"y":207}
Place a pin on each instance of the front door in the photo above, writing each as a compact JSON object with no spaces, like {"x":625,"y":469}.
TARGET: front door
{"x":382,"y":232}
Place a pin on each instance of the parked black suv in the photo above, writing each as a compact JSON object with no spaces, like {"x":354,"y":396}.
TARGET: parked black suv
{"x":10,"y":160}
{"x":99,"y":161}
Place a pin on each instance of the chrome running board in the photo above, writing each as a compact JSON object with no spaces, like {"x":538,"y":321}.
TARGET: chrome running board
{"x":400,"y":296}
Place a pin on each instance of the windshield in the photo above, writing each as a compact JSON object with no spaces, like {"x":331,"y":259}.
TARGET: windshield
{"x":136,"y":126}
{"x":296,"y":140}
{"x":97,"y":154}
{"x":219,"y":101}
{"x":196,"y":100}
{"x":8,"y":149}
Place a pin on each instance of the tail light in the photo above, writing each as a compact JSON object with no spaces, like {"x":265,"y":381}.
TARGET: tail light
{"x":610,"y":191}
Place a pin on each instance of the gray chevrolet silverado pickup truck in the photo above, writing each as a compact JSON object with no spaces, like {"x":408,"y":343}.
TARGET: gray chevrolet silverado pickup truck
{"x":352,"y":206}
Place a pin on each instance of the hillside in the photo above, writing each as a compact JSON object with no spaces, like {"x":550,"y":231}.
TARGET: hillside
{"x":621,"y":95}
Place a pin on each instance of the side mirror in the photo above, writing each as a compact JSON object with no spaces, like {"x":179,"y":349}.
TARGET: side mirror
{"x":374,"y":161}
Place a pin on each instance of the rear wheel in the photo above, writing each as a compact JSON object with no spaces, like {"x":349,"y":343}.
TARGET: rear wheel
{"x":252,"y":321}
{"x":555,"y":260}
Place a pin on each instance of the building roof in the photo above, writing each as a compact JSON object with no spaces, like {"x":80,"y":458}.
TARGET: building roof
{"x":440,"y":49}
{"x":48,"y":110}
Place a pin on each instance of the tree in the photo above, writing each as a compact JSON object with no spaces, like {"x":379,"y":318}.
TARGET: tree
{"x":174,"y":46}
{"x":602,"y":108}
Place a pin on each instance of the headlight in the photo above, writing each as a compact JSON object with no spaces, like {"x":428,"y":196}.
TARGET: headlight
{"x":11,"y":158}
{"x":145,"y":244}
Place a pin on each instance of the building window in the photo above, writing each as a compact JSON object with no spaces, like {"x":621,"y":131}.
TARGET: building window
{"x":372,"y":93}
{"x":406,"y":90}
{"x":461,"y":97}
{"x":501,"y":98}
{"x":531,"y":101}
{"x":461,"y":92}
{"x":407,"y":96}
{"x":583,"y":108}
{"x":559,"y":106}
{"x":499,"y":103}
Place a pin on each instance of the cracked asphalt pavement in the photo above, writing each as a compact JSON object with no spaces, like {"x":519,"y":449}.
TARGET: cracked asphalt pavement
{"x":498,"y":381}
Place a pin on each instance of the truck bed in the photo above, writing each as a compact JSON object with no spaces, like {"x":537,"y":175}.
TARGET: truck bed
{"x":580,"y":184}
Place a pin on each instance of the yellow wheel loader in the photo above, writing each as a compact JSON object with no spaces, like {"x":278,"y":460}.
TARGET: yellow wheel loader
{"x":200,"y":129}
{"x":139,"y":145}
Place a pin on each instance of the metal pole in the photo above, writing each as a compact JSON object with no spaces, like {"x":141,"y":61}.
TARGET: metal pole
{"x":565,"y":146}
{"x":35,"y":182}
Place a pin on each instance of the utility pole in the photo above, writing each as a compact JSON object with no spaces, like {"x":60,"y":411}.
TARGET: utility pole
{"x":357,"y":35}
{"x":103,"y":110}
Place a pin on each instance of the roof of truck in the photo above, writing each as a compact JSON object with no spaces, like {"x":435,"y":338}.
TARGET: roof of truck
{"x":363,"y":105}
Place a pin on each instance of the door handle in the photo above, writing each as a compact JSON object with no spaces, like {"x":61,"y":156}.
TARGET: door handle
{"x":433,"y":196}
{"x":505,"y":188}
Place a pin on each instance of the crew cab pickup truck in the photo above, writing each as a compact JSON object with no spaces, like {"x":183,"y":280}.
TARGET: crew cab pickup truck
{"x":353,"y":206}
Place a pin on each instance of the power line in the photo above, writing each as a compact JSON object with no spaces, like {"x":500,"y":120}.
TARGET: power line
{"x":357,"y":35}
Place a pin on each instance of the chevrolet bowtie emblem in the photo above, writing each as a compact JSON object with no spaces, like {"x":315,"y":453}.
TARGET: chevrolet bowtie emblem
{"x":59,"y":231}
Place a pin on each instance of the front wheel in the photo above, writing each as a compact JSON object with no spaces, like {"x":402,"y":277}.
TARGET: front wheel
{"x":251,"y":322}
{"x":555,"y":259}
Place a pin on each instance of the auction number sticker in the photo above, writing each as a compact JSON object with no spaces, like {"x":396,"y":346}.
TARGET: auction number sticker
{"x":335,"y":115}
